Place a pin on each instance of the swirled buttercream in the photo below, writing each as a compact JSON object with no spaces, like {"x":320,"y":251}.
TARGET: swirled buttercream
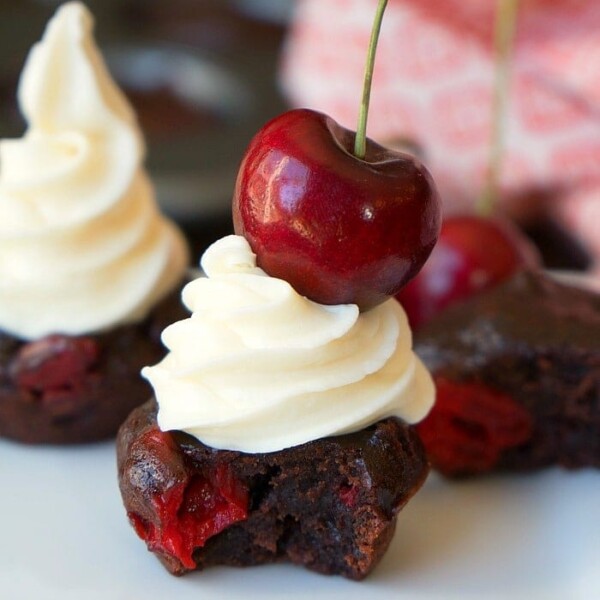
{"x":83,"y":246}
{"x":259,"y":368}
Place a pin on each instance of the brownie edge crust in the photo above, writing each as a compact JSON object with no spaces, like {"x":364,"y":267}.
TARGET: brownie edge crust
{"x":329,"y":505}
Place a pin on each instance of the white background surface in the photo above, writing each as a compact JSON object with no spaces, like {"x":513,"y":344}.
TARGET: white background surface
{"x":64,"y":536}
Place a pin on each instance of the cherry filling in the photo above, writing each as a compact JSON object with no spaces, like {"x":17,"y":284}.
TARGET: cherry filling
{"x":55,"y":365}
{"x":470,"y":426}
{"x":189,"y":513}
{"x":348,"y":494}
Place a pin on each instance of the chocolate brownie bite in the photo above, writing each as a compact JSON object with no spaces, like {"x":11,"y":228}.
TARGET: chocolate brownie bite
{"x":517,"y":371}
{"x":329,"y":505}
{"x":64,"y":389}
{"x":282,"y":428}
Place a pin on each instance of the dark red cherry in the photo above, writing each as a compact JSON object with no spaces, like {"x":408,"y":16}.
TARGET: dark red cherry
{"x":471,"y":426}
{"x":55,"y":365}
{"x":473,"y":253}
{"x":339,"y":229}
{"x":199,"y":504}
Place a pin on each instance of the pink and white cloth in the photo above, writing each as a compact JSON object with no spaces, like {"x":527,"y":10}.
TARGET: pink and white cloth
{"x":433,"y":83}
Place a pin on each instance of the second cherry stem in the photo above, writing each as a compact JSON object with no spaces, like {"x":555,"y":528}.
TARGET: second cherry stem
{"x":504,"y":35}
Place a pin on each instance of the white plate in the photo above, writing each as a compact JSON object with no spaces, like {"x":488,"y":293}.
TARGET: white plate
{"x":64,"y":535}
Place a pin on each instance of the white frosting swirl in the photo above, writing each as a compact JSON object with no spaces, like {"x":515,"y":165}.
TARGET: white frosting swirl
{"x":259,"y":368}
{"x":83,"y":245}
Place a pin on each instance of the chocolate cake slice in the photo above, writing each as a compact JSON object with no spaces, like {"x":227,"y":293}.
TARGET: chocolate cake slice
{"x":329,"y":505}
{"x":517,"y":371}
{"x":63,"y":389}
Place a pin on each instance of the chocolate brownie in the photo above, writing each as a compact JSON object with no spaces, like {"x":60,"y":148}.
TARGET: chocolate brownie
{"x":517,"y":370}
{"x":329,"y":505}
{"x":62,"y":389}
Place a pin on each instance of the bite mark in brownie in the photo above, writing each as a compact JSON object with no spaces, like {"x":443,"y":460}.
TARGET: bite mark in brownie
{"x":329,"y":505}
{"x":524,"y":359}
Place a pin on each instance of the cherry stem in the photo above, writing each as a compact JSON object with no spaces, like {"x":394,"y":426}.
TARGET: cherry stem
{"x":360,"y":141}
{"x":504,"y":35}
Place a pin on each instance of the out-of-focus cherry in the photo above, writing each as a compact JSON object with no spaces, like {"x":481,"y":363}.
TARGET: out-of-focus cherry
{"x":473,"y":253}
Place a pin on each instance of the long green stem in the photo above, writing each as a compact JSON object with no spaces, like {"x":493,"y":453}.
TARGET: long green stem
{"x":360,"y":141}
{"x":506,"y":19}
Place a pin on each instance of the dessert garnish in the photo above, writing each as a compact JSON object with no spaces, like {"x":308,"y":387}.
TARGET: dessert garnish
{"x":474,"y":253}
{"x":341,"y":218}
{"x":274,"y":369}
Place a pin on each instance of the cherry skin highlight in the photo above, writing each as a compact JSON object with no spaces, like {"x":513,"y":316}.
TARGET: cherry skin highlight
{"x":339,"y":229}
{"x":473,"y":254}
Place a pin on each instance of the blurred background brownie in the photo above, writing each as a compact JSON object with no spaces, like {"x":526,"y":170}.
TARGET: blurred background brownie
{"x":64,"y":389}
{"x":517,"y":372}
{"x":91,"y":270}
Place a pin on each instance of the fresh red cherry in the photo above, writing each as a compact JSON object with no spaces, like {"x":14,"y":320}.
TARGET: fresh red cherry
{"x":338,"y":228}
{"x":473,"y":253}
